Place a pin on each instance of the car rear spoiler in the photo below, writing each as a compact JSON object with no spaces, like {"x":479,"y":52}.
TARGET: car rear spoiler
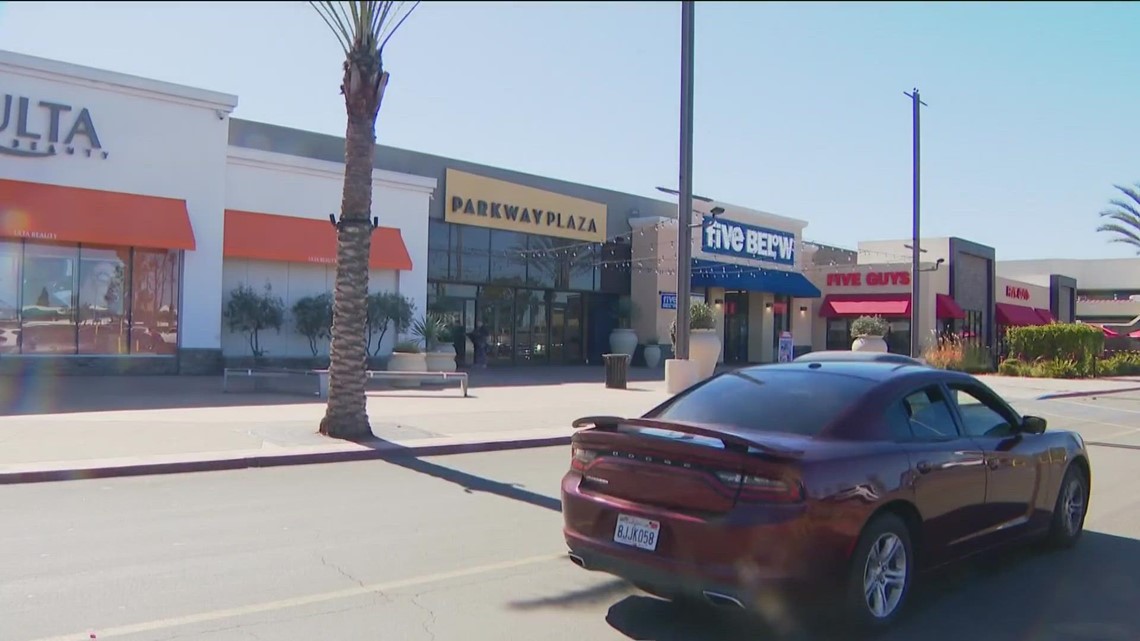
{"x":731,"y":439}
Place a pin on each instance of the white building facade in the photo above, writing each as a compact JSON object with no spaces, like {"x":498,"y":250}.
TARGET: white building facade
{"x":116,"y":194}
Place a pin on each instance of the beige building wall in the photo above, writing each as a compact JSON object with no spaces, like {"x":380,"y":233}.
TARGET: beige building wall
{"x":1015,"y":292}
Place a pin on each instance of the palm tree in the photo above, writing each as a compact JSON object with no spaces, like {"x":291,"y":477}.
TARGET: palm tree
{"x":1127,"y":217}
{"x":362,"y":28}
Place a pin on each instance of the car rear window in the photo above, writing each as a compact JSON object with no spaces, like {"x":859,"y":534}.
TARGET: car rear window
{"x":799,"y":402}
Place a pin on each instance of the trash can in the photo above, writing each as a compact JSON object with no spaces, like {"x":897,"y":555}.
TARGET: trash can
{"x":617,"y":370}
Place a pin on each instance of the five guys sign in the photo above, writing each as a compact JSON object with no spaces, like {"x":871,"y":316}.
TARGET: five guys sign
{"x":870,"y":279}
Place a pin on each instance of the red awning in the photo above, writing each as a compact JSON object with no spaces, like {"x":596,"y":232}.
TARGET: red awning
{"x":1046,"y":315}
{"x":1012,"y":315}
{"x":39,"y":211}
{"x":854,"y":305}
{"x":1134,"y":334}
{"x":304,"y":240}
{"x":947,"y":307}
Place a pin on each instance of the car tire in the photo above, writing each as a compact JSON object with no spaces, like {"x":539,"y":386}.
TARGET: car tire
{"x":1070,"y":510}
{"x":877,"y":588}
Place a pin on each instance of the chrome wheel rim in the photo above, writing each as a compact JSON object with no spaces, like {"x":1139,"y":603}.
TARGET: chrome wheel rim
{"x":1073,"y":506}
{"x":884,"y":575}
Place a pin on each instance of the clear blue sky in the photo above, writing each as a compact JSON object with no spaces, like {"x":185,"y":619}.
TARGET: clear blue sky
{"x":799,"y":107}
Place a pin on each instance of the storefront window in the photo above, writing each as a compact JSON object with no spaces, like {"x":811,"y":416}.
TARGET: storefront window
{"x":474,"y":253}
{"x":10,"y":253}
{"x":154,"y":313}
{"x":898,"y":337}
{"x":103,"y":300}
{"x":838,"y":334}
{"x":582,"y":266}
{"x":508,"y":257}
{"x":50,"y":281}
{"x":439,"y":254}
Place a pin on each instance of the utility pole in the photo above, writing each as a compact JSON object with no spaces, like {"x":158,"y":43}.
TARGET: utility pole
{"x":685,"y":198}
{"x":915,"y":289}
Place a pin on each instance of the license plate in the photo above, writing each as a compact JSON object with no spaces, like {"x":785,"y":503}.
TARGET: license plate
{"x":640,"y":533}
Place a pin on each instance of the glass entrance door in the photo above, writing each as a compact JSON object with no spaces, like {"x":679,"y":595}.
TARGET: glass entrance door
{"x":566,"y":329}
{"x":496,"y":312}
{"x":736,"y":327}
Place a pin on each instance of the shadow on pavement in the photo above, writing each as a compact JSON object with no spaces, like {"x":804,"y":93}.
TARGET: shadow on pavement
{"x":470,"y":483}
{"x":1090,"y":593}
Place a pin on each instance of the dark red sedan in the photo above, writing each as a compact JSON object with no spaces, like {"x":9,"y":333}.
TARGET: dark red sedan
{"x":853,"y":476}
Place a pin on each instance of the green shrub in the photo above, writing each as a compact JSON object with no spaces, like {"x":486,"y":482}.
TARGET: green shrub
{"x":1057,"y":368}
{"x":1071,"y":341}
{"x":407,"y":347}
{"x":701,"y":316}
{"x":1120,"y":364}
{"x":1011,"y":367}
{"x":869,"y":326}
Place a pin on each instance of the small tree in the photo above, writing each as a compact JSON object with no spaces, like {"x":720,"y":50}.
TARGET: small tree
{"x":313,"y":318}
{"x":387,"y":309}
{"x":249,"y":312}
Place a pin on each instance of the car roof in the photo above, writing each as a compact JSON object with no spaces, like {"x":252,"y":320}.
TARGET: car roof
{"x":869,"y":369}
{"x":861,"y":357}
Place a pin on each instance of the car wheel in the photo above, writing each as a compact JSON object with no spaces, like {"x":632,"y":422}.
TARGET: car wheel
{"x":1069,"y":512}
{"x":881,"y":570}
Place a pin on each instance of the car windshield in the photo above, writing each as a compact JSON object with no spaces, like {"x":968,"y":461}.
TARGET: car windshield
{"x":798,"y":401}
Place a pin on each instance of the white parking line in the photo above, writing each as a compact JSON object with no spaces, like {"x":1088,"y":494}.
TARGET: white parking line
{"x":1079,"y":421}
{"x":1087,"y":405}
{"x":295,"y":602}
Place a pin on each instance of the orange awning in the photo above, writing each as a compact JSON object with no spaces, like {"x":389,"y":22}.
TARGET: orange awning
{"x":39,"y":211}
{"x":304,"y":240}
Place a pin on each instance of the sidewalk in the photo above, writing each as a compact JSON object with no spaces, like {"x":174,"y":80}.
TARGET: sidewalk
{"x":78,"y":427}
{"x":65,"y":428}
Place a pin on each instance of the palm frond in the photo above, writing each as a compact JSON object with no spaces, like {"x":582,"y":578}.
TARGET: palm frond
{"x":1125,"y":234}
{"x":364,"y":25}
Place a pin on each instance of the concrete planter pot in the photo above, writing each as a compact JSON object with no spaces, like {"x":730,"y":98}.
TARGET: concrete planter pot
{"x":407,"y":362}
{"x":623,"y":341}
{"x":704,"y":351}
{"x":441,"y":360}
{"x":652,"y":356}
{"x":869,"y":344}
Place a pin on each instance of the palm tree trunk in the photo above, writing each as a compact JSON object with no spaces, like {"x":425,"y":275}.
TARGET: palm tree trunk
{"x":346,"y":415}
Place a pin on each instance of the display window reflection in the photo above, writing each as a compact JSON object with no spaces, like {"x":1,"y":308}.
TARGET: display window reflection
{"x":103,"y":300}
{"x":10,"y":259}
{"x":62,"y":299}
{"x":50,"y":289}
{"x":154,"y":297}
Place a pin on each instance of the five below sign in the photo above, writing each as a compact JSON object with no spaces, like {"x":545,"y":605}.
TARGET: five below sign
{"x":730,"y":238}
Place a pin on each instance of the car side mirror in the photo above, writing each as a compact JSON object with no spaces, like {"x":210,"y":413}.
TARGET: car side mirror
{"x":1032,"y":424}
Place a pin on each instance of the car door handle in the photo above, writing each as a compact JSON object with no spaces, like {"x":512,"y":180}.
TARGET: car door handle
{"x":924,"y":467}
{"x":993,"y":463}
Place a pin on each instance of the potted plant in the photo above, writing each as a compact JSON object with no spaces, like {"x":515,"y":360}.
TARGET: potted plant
{"x":623,"y":340}
{"x":407,"y":357}
{"x":869,"y":332}
{"x":652,"y":353}
{"x":436,"y":337}
{"x":704,"y":344}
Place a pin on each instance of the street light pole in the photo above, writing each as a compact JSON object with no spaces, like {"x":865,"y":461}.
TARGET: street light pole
{"x":685,"y":198}
{"x":915,"y":250}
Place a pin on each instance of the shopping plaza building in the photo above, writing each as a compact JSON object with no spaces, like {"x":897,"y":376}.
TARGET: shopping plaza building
{"x":131,"y":209}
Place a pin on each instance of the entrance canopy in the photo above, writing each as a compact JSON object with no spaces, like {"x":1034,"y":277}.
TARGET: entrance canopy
{"x":1012,"y":315}
{"x":886,"y":305}
{"x":708,"y":273}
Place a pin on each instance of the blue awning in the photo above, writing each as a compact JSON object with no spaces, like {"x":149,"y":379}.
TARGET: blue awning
{"x":707,"y":273}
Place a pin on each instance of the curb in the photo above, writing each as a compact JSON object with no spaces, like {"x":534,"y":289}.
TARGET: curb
{"x":1107,"y":392}
{"x":384,"y":451}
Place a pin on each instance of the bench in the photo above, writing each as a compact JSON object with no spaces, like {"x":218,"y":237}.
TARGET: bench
{"x":309,"y":379}
{"x":445,"y":377}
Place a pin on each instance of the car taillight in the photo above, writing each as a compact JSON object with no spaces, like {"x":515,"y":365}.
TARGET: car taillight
{"x":759,"y":488}
{"x":581,"y":458}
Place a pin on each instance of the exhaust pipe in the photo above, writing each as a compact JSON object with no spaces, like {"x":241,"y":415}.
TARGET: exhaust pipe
{"x":722,"y":600}
{"x":578,"y":561}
